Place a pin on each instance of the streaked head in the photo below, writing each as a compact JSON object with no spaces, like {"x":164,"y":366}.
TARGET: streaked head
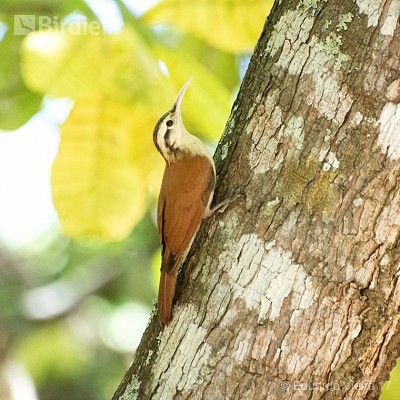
{"x":169,"y":131}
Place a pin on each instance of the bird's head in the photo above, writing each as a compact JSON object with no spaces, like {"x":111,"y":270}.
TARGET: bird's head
{"x":170,"y":136}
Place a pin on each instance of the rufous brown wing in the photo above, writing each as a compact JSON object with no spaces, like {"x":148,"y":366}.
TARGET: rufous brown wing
{"x":184,"y":198}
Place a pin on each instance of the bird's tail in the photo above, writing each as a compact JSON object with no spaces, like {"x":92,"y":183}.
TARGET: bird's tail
{"x":166,"y":293}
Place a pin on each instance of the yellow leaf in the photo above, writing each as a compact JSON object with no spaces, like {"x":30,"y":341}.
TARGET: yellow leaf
{"x":72,"y":64}
{"x":231,"y":25}
{"x":100,"y":180}
{"x":56,"y":62}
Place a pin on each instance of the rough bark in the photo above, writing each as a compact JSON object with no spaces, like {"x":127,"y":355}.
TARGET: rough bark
{"x":293,"y":292}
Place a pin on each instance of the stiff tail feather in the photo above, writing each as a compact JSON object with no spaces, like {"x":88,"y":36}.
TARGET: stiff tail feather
{"x":166,"y":293}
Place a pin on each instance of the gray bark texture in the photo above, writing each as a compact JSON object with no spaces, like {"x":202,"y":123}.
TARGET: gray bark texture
{"x":293,"y":291}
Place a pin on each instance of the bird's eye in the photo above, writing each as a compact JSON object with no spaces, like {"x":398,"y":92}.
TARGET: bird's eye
{"x":169,"y":123}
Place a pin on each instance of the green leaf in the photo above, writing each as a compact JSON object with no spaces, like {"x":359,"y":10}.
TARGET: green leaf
{"x":17,"y":103}
{"x":207,"y":102}
{"x":231,"y":25}
{"x":222,"y":65}
{"x":50,"y":8}
{"x":52,"y":350}
{"x":391,"y":389}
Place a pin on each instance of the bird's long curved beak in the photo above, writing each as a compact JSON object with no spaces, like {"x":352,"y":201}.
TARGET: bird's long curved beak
{"x":179,"y":97}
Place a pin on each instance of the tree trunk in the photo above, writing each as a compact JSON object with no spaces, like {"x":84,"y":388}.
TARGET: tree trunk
{"x":293,"y":292}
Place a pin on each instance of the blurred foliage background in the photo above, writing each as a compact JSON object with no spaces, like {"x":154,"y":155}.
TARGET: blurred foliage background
{"x":82,"y":84}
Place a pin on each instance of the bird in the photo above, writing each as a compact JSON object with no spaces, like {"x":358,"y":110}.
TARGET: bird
{"x":186,"y":194}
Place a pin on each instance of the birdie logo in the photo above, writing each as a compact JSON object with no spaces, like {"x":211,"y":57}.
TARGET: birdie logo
{"x":24,"y":24}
